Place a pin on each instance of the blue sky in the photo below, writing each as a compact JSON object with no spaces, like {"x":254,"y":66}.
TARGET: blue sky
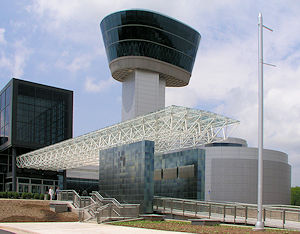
{"x":59,"y":43}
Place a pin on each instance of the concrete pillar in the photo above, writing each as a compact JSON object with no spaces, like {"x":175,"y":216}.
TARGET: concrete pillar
{"x":62,"y":180}
{"x":142,"y":92}
{"x":14,"y":170}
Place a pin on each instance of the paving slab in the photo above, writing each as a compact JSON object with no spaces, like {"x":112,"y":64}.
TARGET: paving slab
{"x":74,"y":228}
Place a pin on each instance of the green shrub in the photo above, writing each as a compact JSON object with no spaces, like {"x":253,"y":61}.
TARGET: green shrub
{"x":3,"y":194}
{"x":36,"y":196}
{"x":10,"y":194}
{"x":15,"y":195}
{"x":24,"y":195}
{"x":295,"y":196}
{"x":30,"y":195}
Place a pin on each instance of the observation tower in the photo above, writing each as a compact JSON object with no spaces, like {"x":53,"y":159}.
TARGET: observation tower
{"x":147,"y":52}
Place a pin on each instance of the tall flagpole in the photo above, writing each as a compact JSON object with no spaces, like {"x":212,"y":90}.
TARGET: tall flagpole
{"x":260,"y":224}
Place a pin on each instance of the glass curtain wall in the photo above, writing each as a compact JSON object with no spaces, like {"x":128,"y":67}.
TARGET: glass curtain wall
{"x":41,"y":116}
{"x":5,"y":115}
{"x":144,"y":33}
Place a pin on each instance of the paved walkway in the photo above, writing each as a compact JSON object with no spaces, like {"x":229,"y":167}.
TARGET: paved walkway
{"x":74,"y":228}
{"x":276,"y":223}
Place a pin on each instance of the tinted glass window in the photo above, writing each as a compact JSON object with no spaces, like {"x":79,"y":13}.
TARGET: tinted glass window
{"x":143,"y":33}
{"x":2,"y":132}
{"x":2,"y":101}
{"x":42,"y":116}
{"x":150,"y":34}
{"x":5,"y":115}
{"x":26,"y":90}
{"x":2,"y":118}
{"x":35,"y":181}
{"x":6,"y":131}
{"x":23,"y":180}
{"x":7,"y":95}
{"x":141,"y":48}
{"x":151,"y":19}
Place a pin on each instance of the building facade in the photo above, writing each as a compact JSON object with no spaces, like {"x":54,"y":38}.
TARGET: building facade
{"x":225,"y":171}
{"x":32,"y":116}
{"x":126,"y":173}
{"x":231,"y":173}
{"x":180,"y":174}
{"x":173,"y":151}
{"x":147,"y":52}
{"x":83,"y":179}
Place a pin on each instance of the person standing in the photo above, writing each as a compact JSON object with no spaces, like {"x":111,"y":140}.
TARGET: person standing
{"x":56,"y":193}
{"x":51,"y":193}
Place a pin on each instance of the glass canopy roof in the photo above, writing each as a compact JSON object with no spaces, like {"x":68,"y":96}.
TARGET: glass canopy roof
{"x":172,"y":128}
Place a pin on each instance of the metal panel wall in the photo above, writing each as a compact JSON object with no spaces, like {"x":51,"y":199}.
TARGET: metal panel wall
{"x":177,"y":178}
{"x":126,"y":173}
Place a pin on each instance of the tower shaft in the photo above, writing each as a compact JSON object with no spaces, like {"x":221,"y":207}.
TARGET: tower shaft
{"x":142,"y":92}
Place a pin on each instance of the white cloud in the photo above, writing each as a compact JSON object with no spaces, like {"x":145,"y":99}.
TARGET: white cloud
{"x":15,"y":62}
{"x":2,"y":38}
{"x":78,"y":20}
{"x":21,"y":56}
{"x":93,"y":86}
{"x":225,"y":75}
{"x":224,"y":78}
{"x":5,"y":62}
{"x":82,"y":62}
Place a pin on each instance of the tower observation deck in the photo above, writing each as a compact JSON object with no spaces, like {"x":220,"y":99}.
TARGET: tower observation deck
{"x":147,"y":52}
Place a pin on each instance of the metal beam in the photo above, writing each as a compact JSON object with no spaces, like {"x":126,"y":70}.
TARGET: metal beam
{"x":172,"y":128}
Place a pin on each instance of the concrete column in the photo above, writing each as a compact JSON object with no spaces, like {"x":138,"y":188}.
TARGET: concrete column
{"x":14,"y":170}
{"x":142,"y":92}
{"x":64,"y":179}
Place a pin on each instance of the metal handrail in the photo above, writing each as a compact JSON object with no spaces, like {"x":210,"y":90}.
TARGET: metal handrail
{"x":112,"y":200}
{"x":92,"y":206}
{"x":230,"y":210}
{"x":205,"y":202}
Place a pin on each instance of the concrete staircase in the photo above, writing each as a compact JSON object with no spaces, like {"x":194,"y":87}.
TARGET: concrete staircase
{"x":95,"y":208}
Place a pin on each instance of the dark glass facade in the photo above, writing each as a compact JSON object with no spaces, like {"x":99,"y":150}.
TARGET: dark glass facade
{"x":80,"y":184}
{"x":126,"y":173}
{"x":32,"y":116}
{"x":222,"y":144}
{"x":43,"y":115}
{"x":131,"y":173}
{"x":180,"y":174}
{"x":149,"y":34}
{"x":5,"y":115}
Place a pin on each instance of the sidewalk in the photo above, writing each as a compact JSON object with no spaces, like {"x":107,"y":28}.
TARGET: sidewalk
{"x":74,"y":228}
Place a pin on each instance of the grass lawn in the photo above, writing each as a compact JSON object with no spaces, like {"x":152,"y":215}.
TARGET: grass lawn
{"x":183,"y":226}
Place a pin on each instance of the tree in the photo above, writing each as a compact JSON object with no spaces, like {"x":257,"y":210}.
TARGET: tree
{"x":295,"y":196}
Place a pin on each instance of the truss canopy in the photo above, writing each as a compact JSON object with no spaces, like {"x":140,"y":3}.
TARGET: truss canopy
{"x":172,"y":128}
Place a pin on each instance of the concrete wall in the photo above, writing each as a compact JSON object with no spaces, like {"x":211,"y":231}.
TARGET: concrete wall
{"x":142,"y":92}
{"x":231,"y":175}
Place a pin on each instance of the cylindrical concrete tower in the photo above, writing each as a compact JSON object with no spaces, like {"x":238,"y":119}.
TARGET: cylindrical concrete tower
{"x":148,"y":51}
